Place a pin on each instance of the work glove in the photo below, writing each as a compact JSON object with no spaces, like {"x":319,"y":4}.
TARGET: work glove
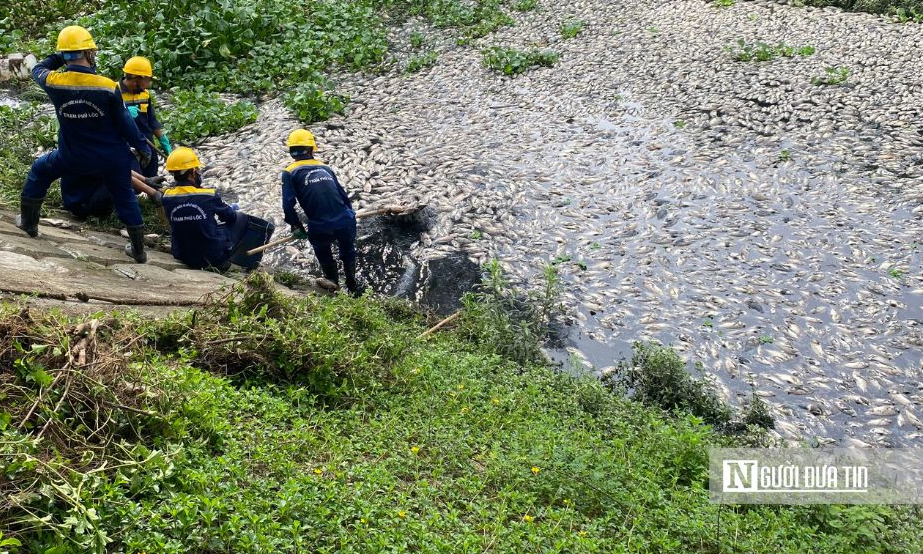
{"x":156,"y":198}
{"x":299,"y":233}
{"x":155,"y":182}
{"x":165,"y":144}
{"x":134,"y":111}
{"x":144,"y":157}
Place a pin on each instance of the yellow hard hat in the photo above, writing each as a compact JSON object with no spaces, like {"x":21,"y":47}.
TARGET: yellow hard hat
{"x":139,"y":66}
{"x":181,"y":159}
{"x":75,"y":39}
{"x":301,"y":137}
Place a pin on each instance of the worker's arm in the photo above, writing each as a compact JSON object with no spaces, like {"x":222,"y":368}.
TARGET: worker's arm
{"x":43,"y":68}
{"x":288,"y":201}
{"x":158,"y":129}
{"x":225,"y":213}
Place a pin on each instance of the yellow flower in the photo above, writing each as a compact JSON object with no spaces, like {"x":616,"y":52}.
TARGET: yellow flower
{"x":567,"y":500}
{"x":363,"y":520}
{"x":527,"y":518}
{"x":495,"y":401}
{"x":465,"y":410}
{"x":582,"y":533}
{"x":318,"y":471}
{"x":415,"y":449}
{"x":401,"y":514}
{"x":535,"y":470}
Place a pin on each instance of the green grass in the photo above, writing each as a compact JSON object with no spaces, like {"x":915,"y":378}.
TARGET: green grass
{"x":417,"y":39}
{"x":512,"y":61}
{"x":263,"y":424}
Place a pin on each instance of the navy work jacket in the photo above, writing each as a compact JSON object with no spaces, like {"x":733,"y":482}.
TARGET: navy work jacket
{"x":96,"y":129}
{"x":147,"y":121}
{"x":314,"y":186}
{"x":197,"y":239}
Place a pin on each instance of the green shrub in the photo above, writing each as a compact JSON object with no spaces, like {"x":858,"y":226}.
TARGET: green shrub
{"x":525,"y":5}
{"x":511,"y":61}
{"x":195,"y":114}
{"x":657,"y":376}
{"x":870,"y":6}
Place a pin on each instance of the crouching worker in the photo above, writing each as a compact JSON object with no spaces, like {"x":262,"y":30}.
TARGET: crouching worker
{"x":198,"y":240}
{"x":329,"y":211}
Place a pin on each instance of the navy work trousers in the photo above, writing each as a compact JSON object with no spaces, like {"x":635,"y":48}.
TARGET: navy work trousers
{"x":322,"y":242}
{"x":76,"y":190}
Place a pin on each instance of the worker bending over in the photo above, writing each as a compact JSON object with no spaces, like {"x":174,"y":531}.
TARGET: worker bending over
{"x":134,"y":86}
{"x":330,"y":216}
{"x":95,"y":133}
{"x":198,"y":240}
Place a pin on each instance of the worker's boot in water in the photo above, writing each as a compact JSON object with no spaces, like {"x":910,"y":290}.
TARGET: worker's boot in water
{"x":30,"y":210}
{"x":136,"y":248}
{"x":352,"y":285}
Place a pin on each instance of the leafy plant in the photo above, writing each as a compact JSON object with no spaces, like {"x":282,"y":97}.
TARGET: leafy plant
{"x":422,"y":61}
{"x":896,"y":273}
{"x":477,"y":235}
{"x":762,"y":52}
{"x":832,"y":76}
{"x":679,"y":124}
{"x":757,"y":413}
{"x":724,"y":3}
{"x":525,"y":5}
{"x":416,"y":40}
{"x":907,"y":15}
{"x":571,"y":27}
{"x":196,"y":114}
{"x":511,"y":61}
{"x":311,"y":102}
{"x":26,"y":131}
{"x":785,"y":155}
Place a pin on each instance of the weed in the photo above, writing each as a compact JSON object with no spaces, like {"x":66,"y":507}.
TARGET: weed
{"x":724,"y":3}
{"x":679,"y":124}
{"x":766,"y":339}
{"x":525,"y":5}
{"x":571,"y":27}
{"x":477,"y":234}
{"x":708,"y":322}
{"x":581,"y":264}
{"x":595,"y":246}
{"x":657,"y":376}
{"x":511,"y":61}
{"x":785,"y":155}
{"x":896,"y":273}
{"x":422,"y":61}
{"x":417,"y":39}
{"x":25,"y":131}
{"x":561,"y":258}
{"x":762,"y":52}
{"x":907,"y":15}
{"x":757,"y":413}
{"x":832,"y":76}
{"x":311,"y":102}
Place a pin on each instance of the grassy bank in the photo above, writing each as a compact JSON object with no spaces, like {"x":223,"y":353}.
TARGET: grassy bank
{"x":887,"y":7}
{"x":263,"y":424}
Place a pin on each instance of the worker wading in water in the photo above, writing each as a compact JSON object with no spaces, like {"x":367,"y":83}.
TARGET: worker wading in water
{"x":198,"y":240}
{"x":330,"y":216}
{"x":95,"y":133}
{"x":134,"y":86}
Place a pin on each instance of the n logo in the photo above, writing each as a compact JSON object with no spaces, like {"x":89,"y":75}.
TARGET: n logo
{"x":739,"y":476}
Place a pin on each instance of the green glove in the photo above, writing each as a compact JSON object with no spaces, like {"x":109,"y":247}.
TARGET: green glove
{"x":165,"y":144}
{"x":133,"y":110}
{"x":299,"y":233}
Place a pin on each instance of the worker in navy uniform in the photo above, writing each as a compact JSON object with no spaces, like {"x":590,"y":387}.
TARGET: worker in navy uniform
{"x":134,"y":87}
{"x":198,"y":239}
{"x":95,"y":134}
{"x":330,"y":215}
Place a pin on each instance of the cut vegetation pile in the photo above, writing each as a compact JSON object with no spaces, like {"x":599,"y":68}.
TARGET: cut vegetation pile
{"x":262,"y":423}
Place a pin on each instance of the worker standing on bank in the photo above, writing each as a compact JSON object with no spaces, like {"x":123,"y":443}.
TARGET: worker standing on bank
{"x":198,"y":239}
{"x":134,"y":85}
{"x":95,"y":133}
{"x":331,"y":218}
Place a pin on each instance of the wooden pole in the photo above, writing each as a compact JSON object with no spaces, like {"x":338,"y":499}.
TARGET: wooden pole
{"x":439,"y":325}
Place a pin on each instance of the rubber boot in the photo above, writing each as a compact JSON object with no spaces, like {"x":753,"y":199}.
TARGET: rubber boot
{"x":136,"y":248}
{"x":30,"y":209}
{"x":352,"y":285}
{"x":331,"y":273}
